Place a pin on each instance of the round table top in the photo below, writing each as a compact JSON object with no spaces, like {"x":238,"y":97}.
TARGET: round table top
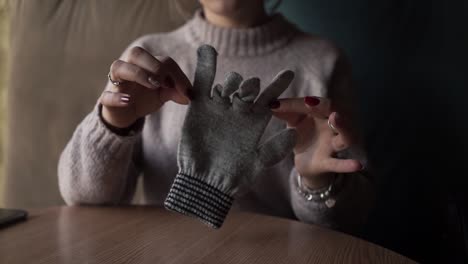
{"x":154,"y":235}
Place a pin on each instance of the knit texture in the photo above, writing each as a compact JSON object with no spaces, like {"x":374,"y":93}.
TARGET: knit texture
{"x":99,"y":167}
{"x":219,"y":148}
{"x":197,"y":198}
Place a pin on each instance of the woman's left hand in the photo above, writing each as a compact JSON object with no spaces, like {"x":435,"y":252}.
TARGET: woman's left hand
{"x":318,"y":140}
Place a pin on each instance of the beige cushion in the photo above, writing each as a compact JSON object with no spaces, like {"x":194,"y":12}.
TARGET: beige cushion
{"x":60,"y":56}
{"x":4,"y":44}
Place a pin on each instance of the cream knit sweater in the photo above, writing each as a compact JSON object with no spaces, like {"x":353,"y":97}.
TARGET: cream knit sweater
{"x":100,"y":167}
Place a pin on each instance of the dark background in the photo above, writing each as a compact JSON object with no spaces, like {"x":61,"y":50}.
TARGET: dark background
{"x":409,"y":63}
{"x":409,"y":60}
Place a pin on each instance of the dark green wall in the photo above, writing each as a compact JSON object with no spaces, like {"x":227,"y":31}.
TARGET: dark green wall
{"x":410,"y":63}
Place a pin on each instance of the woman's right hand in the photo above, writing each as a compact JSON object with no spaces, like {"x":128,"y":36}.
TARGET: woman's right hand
{"x":318,"y":142}
{"x":146,"y":83}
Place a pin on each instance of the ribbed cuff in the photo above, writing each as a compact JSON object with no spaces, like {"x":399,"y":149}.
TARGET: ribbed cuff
{"x":193,"y":197}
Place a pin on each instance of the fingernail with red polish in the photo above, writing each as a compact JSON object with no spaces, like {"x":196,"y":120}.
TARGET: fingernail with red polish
{"x":275,"y":104}
{"x":311,"y":101}
{"x":155,"y":83}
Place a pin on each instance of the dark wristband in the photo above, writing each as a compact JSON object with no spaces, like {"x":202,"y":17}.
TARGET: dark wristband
{"x":123,"y":131}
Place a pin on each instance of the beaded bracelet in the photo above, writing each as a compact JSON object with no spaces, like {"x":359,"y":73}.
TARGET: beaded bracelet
{"x":322,"y":195}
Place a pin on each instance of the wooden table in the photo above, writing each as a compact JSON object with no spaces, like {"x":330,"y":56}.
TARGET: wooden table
{"x":154,"y":235}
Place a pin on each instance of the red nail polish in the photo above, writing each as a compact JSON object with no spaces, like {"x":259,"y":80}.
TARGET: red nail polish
{"x":311,"y":101}
{"x":275,"y":104}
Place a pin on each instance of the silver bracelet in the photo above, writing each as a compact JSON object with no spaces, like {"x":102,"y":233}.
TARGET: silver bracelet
{"x":322,"y":195}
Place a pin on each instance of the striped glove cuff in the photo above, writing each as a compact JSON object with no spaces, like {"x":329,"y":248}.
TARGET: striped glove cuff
{"x":193,"y":197}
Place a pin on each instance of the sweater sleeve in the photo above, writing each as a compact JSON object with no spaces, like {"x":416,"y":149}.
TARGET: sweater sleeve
{"x":98,"y":166}
{"x":354,"y":196}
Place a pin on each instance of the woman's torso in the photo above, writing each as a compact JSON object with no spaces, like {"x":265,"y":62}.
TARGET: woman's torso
{"x":309,"y":57}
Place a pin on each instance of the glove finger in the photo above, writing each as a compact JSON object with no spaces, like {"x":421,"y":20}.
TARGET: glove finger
{"x":206,"y":70}
{"x":277,"y":147}
{"x":216,"y":96}
{"x":276,"y":88}
{"x":231,"y":84}
{"x":216,"y":92}
{"x":249,"y":89}
{"x":240,"y":105}
{"x":218,"y":88}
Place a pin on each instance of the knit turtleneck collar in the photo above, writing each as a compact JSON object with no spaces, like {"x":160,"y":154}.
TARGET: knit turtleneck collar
{"x":241,"y":42}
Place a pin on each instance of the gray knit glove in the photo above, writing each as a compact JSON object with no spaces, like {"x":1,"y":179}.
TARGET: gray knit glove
{"x":219,"y":152}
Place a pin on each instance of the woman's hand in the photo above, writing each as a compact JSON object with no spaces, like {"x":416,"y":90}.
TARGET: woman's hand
{"x":145,"y":84}
{"x":318,"y":142}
